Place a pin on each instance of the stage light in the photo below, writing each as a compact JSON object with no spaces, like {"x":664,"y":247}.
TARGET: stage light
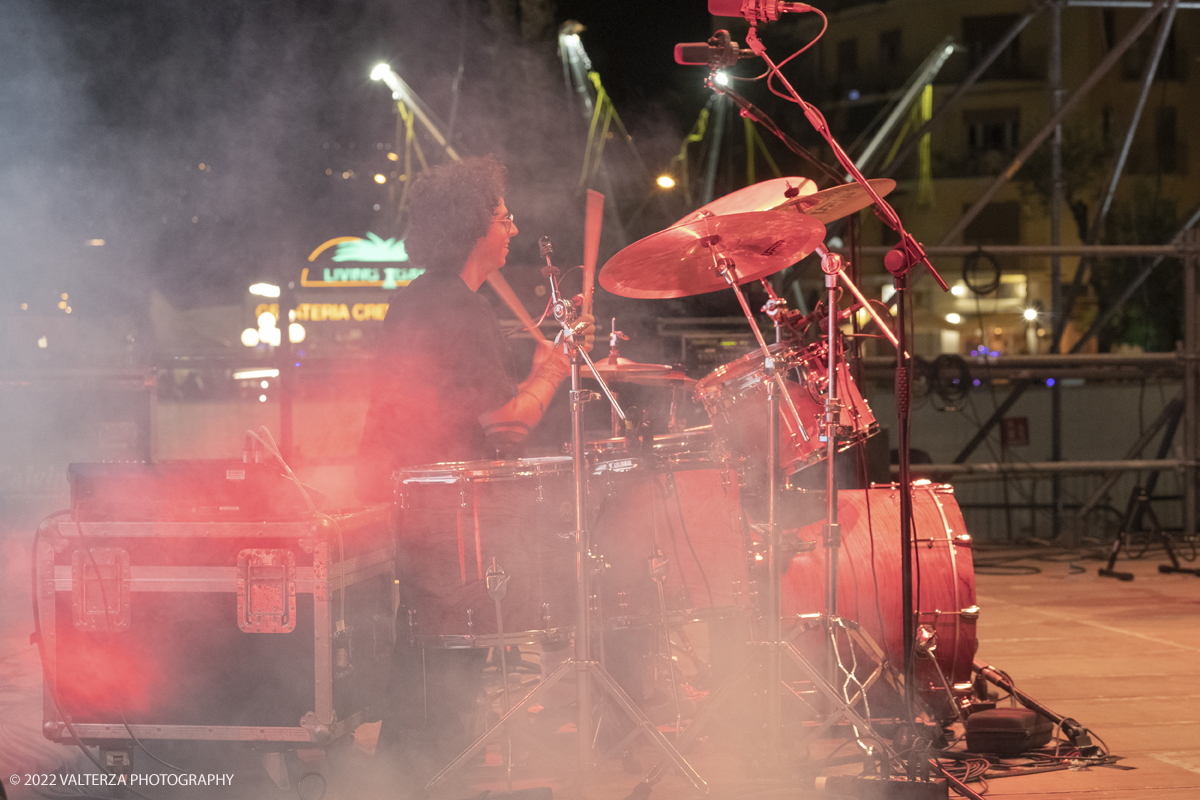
{"x":1030,"y":314}
{"x":721,"y":78}
{"x":953,"y":318}
{"x":266,"y":321}
{"x":250,"y":374}
{"x":393,"y":157}
{"x":380,"y":178}
{"x":262,"y":398}
{"x":249,"y":338}
{"x":265,"y":384}
{"x":265,"y":290}
{"x":958,"y":290}
{"x":666,"y":182}
{"x":380,"y":72}
{"x":296,"y":332}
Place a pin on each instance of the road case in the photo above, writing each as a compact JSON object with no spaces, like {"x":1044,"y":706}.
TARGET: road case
{"x":274,"y":632}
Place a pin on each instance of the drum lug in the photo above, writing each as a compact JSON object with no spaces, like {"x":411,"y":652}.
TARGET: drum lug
{"x":471,"y":624}
{"x":546,"y":616}
{"x":462,"y":497}
{"x":412,"y":626}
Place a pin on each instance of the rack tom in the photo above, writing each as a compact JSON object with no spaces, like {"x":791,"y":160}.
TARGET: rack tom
{"x":735,"y":397}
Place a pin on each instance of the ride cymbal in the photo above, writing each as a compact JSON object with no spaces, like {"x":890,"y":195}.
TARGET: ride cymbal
{"x":761,"y":196}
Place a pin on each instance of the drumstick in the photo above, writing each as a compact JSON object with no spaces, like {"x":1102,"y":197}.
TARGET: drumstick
{"x":509,"y":297}
{"x":591,"y":245}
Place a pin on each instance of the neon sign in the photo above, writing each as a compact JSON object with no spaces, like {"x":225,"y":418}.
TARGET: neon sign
{"x":354,"y":249}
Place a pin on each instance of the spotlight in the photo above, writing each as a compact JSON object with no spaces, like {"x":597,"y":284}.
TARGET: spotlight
{"x":264,"y":290}
{"x":380,"y":178}
{"x":380,"y":72}
{"x":666,"y":182}
{"x":721,"y":78}
{"x":250,"y":337}
{"x":953,"y":318}
{"x":1030,"y":314}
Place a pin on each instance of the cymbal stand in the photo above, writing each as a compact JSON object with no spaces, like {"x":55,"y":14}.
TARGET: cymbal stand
{"x":770,"y":651}
{"x":582,"y":664}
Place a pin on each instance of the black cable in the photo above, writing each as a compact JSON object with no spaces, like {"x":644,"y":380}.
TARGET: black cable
{"x":971,"y":276}
{"x":686,"y":537}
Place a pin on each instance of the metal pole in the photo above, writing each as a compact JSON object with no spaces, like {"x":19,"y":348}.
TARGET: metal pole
{"x":583,"y":567}
{"x":1191,"y":346}
{"x":1099,"y":72}
{"x":1057,"y":318}
{"x":774,"y":608}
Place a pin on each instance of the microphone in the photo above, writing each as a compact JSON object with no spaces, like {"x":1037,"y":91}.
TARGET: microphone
{"x":719,"y":52}
{"x":755,"y":10}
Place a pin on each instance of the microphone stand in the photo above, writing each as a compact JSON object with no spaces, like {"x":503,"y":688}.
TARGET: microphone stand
{"x":900,"y":262}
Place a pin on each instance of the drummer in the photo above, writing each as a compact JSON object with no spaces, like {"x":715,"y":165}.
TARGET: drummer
{"x":445,"y":389}
{"x":445,"y":385}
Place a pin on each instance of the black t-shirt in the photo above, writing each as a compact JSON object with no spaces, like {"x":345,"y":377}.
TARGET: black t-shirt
{"x":441,"y":363}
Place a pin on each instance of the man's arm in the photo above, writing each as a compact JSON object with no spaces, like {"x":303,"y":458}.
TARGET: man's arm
{"x":507,"y":426}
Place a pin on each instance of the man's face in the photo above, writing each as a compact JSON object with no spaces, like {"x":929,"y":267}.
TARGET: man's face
{"x":492,"y":248}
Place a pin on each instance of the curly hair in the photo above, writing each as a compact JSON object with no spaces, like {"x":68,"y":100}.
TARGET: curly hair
{"x":452,"y":207}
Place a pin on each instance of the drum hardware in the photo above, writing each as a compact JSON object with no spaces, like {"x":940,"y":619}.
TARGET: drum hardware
{"x":581,"y":664}
{"x":497,"y":588}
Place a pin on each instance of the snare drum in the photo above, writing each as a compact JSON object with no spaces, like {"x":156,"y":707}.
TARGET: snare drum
{"x":454,"y":519}
{"x":735,"y":397}
{"x":694,"y":448}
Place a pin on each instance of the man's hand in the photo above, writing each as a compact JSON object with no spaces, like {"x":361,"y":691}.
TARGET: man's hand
{"x":550,"y":362}
{"x":588,"y":330}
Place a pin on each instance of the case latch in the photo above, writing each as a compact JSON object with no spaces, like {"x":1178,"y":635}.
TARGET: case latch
{"x":100,"y":589}
{"x":266,"y":591}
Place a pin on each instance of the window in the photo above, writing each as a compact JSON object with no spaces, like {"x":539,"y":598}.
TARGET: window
{"x":1133,"y":63}
{"x":997,"y":223}
{"x":981,"y":34}
{"x":847,"y":58}
{"x":889,"y":48}
{"x":1166,"y":141}
{"x":992,"y":130}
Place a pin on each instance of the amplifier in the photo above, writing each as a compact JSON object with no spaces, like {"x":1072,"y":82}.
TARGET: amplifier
{"x":185,"y":491}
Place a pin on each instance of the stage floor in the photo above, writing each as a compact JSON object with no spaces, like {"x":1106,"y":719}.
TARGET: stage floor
{"x":1121,"y":658}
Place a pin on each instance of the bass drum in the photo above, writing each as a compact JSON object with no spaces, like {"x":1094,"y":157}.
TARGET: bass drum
{"x":869,"y":579}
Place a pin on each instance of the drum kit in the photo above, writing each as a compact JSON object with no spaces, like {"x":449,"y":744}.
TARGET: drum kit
{"x":656,"y":530}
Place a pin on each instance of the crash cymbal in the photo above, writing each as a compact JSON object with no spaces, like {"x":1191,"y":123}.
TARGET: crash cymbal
{"x":678,"y":262}
{"x":761,"y":196}
{"x":834,"y":203}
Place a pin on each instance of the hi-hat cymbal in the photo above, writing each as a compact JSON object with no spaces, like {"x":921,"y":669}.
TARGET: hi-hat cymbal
{"x":626,"y":371}
{"x":762,"y":196}
{"x":678,"y":262}
{"x":836,"y":202}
